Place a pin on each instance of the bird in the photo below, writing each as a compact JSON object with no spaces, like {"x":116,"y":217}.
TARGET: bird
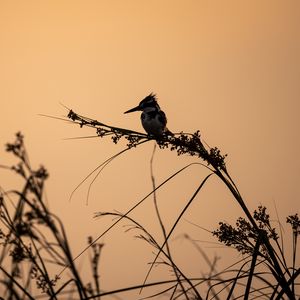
{"x":153,"y":119}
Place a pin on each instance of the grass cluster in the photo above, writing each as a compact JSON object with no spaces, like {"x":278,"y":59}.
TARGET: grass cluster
{"x":33,"y":239}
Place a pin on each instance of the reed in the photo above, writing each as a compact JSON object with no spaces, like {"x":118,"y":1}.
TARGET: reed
{"x":33,"y":239}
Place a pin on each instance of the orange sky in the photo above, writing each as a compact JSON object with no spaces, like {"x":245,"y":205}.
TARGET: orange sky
{"x":230,"y":69}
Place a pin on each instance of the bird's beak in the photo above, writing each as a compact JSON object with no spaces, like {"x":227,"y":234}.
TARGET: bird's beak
{"x":132,"y":110}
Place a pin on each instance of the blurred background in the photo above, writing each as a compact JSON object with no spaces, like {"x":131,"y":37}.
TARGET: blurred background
{"x":230,"y":69}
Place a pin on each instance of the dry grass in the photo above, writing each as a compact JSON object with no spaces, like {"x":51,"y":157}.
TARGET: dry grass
{"x":33,"y":239}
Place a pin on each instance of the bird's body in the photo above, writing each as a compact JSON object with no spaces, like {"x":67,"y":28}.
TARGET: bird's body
{"x":153,"y":118}
{"x":154,"y":121}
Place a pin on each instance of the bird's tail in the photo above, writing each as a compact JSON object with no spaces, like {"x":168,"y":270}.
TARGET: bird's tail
{"x":168,"y":132}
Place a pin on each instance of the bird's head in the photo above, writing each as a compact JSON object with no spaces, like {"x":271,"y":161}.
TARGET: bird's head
{"x":149,"y":101}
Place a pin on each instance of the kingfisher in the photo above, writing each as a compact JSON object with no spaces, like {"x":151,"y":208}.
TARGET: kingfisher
{"x":153,"y":119}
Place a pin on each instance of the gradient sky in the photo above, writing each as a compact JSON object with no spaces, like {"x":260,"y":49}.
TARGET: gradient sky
{"x":228,"y":68}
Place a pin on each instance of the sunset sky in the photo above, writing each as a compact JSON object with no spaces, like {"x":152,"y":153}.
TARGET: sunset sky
{"x":230,"y":69}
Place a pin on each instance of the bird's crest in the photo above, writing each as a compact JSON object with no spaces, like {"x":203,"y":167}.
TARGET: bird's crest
{"x":149,"y":101}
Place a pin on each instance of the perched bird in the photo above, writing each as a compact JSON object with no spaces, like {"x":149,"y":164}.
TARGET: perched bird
{"x":153,"y":119}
